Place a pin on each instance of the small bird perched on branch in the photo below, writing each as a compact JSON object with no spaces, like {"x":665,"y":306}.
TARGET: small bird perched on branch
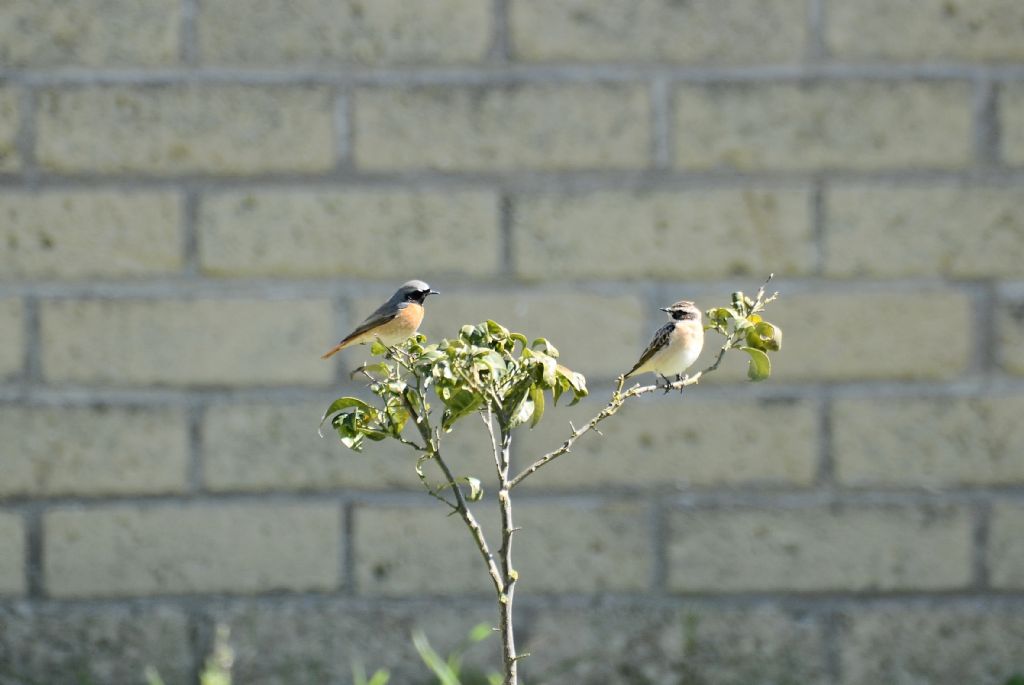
{"x":676,"y":345}
{"x":393,"y":322}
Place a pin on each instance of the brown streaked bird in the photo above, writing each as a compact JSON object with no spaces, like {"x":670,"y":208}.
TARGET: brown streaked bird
{"x":393,"y":322}
{"x":676,"y":345}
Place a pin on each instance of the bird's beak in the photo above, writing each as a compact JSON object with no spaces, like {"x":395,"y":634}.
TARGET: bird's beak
{"x":435,"y":292}
{"x":664,"y":309}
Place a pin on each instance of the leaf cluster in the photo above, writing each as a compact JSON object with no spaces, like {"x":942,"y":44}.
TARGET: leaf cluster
{"x":745,"y":329}
{"x":485,"y":367}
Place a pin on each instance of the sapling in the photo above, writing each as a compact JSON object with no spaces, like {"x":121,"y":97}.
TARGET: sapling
{"x":422,"y":390}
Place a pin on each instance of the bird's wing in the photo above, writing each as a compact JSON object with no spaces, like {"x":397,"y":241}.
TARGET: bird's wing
{"x":386,"y":312}
{"x":660,"y":340}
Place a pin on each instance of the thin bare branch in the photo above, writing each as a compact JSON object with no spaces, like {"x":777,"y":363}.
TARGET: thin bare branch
{"x":616,"y":403}
{"x":505,"y":553}
{"x":423,"y":424}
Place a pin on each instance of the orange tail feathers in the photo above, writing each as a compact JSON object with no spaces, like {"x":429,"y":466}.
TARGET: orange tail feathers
{"x":336,"y":349}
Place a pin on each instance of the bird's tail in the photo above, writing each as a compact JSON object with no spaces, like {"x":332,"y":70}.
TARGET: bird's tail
{"x":635,"y":370}
{"x":335,"y":350}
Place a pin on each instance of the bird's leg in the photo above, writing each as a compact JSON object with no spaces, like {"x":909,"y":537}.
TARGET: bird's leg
{"x":668,"y":383}
{"x":679,"y":379}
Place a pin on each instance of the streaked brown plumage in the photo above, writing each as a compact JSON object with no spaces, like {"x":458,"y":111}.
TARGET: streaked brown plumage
{"x":676,"y":345}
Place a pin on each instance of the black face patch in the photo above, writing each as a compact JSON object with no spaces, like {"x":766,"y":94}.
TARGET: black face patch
{"x":417,"y":296}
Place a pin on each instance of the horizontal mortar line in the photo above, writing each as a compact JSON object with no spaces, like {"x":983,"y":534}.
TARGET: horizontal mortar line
{"x":768,"y":497}
{"x":737,"y":500}
{"x":975,"y":386}
{"x":813,"y":601}
{"x":283,"y":289}
{"x":269,"y":290}
{"x":43,"y":503}
{"x":539,"y":181}
{"x":14,"y":393}
{"x":741,"y":498}
{"x":84,"y":395}
{"x":284,"y":396}
{"x":762,"y":497}
{"x":499,"y":74}
{"x":190,"y":287}
{"x":71,"y":395}
{"x":220,"y":601}
{"x":809,"y":602}
{"x":1010,"y":289}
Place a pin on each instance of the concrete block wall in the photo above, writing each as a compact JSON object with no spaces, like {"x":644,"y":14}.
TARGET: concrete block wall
{"x":197,"y":199}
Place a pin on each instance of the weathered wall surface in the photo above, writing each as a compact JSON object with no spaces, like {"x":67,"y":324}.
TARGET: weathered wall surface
{"x":198,"y":197}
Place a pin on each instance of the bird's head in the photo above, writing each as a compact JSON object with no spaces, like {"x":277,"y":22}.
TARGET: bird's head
{"x":414,"y":291}
{"x":683,"y":310}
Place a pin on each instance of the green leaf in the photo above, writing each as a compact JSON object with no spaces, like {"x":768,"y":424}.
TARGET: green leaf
{"x":515,"y":395}
{"x":380,"y":368}
{"x":561,"y":386}
{"x":760,"y":367}
{"x":380,"y":677}
{"x":491,"y":361}
{"x":345,"y":403}
{"x":374,"y":434}
{"x":770,"y":334}
{"x":476,"y":490}
{"x":480,"y":632}
{"x":523,"y":412}
{"x":458,"y":404}
{"x":397,"y":414}
{"x":542,"y":345}
{"x":518,"y":337}
{"x":577,"y":381}
{"x":442,"y":372}
{"x":719,"y":317}
{"x":537,"y":395}
{"x":433,"y":660}
{"x":377,"y":348}
{"x":348,"y":431}
{"x":764,"y":336}
{"x":476,"y":335}
{"x":548,"y":367}
{"x":496,"y":329}
{"x":152,"y":676}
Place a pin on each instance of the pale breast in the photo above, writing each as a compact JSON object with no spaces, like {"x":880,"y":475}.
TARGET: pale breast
{"x":687,"y":340}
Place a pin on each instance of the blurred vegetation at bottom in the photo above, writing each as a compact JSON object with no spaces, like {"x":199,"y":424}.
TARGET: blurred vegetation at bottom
{"x":447,"y":670}
{"x":217,"y":668}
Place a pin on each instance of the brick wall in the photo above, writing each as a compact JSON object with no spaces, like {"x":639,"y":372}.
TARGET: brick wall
{"x":197,"y":199}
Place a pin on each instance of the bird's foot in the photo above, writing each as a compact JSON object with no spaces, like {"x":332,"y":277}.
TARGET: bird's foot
{"x":668,"y":383}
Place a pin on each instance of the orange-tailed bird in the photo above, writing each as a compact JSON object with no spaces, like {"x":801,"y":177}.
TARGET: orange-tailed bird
{"x":394,"y":322}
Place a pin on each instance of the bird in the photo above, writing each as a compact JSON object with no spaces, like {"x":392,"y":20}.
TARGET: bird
{"x":393,"y":322}
{"x":675,"y":346}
